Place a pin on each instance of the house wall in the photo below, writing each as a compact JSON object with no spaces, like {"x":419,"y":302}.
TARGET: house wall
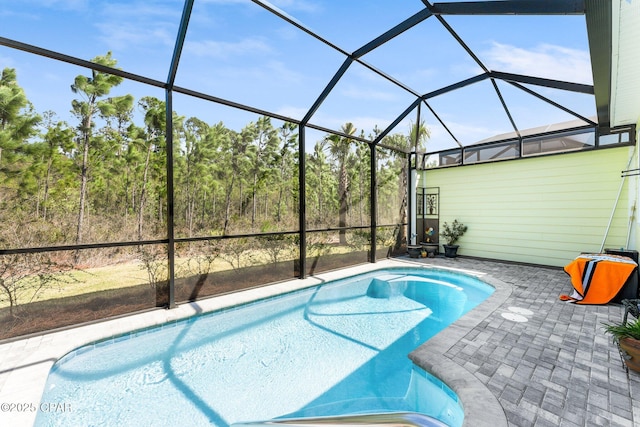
{"x":543,"y":210}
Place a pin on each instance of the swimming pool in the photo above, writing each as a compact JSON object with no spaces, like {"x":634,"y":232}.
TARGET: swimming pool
{"x":333,"y":349}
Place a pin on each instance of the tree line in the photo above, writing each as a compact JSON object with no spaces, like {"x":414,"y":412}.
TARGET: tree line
{"x":103,"y":178}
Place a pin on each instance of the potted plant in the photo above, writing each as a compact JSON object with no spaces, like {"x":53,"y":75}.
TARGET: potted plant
{"x":451,"y":233}
{"x":627,"y":336}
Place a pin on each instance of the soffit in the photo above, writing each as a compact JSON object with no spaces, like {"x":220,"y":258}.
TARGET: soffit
{"x":625,"y":63}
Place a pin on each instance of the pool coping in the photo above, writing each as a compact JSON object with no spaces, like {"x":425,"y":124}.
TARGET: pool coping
{"x":25,"y":363}
{"x":481,"y":407}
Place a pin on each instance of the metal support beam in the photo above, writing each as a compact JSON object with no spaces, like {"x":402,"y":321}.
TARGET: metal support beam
{"x":461,"y":42}
{"x":555,"y":104}
{"x":42,"y":249}
{"x":334,"y":81}
{"x":365,"y":49}
{"x":24,"y":47}
{"x":289,"y":19}
{"x":599,"y":28}
{"x":177,"y":49}
{"x":398,"y":119}
{"x":373,"y":201}
{"x":388,"y":77}
{"x":443,"y":124}
{"x":539,"y":81}
{"x":506,"y":109}
{"x":395,"y":31}
{"x":415,"y":143}
{"x":511,"y":7}
{"x":173,"y":69}
{"x":171,"y":253}
{"x":302,"y":198}
{"x":455,"y":86}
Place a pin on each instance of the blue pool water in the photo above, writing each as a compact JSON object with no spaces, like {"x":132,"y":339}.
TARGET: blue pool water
{"x":339,"y":348}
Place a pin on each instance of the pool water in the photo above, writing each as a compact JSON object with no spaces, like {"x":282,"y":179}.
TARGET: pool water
{"x":339,"y":348}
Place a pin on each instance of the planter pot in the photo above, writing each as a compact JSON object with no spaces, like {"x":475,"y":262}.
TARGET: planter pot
{"x":414,"y":251}
{"x":431,"y":248}
{"x":632,"y":348}
{"x":451,"y":251}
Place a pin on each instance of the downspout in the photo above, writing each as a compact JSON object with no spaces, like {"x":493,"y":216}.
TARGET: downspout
{"x":615,"y":205}
{"x":633,"y":238}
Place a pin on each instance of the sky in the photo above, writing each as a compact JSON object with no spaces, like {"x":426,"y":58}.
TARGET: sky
{"x":236,"y":50}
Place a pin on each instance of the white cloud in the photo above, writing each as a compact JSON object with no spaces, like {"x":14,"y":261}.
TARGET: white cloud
{"x":293,"y":112}
{"x":545,"y":60}
{"x":283,"y":73}
{"x":302,"y":5}
{"x":368,"y":123}
{"x":422,"y":74}
{"x":227,"y":1}
{"x":7,"y":62}
{"x":367,"y":93}
{"x":268,"y":74}
{"x":62,"y":4}
{"x":362,"y":123}
{"x":287,"y":33}
{"x":147,"y":11}
{"x":138,"y":24}
{"x":468,"y":132}
{"x":124,"y":35}
{"x":36,"y":10}
{"x":465,"y":132}
{"x":223,"y":50}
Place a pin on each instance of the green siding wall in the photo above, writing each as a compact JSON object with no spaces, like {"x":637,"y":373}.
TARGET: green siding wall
{"x":543,"y":210}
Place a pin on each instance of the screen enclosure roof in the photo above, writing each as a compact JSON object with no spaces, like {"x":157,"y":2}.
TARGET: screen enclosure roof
{"x":470,"y":70}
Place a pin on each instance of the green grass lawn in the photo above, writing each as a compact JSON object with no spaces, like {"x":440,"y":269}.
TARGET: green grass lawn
{"x":133,"y":273}
{"x":115,"y":276}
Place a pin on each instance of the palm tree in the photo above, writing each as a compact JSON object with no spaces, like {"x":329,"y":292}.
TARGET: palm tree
{"x":416,"y":141}
{"x":339,"y":147}
{"x":418,"y":136}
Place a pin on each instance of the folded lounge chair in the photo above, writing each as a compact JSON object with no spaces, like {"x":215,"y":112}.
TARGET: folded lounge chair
{"x":598,"y":278}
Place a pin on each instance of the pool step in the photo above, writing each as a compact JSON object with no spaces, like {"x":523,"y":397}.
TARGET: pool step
{"x":385,"y":288}
{"x":396,"y":419}
{"x":392,"y":285}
